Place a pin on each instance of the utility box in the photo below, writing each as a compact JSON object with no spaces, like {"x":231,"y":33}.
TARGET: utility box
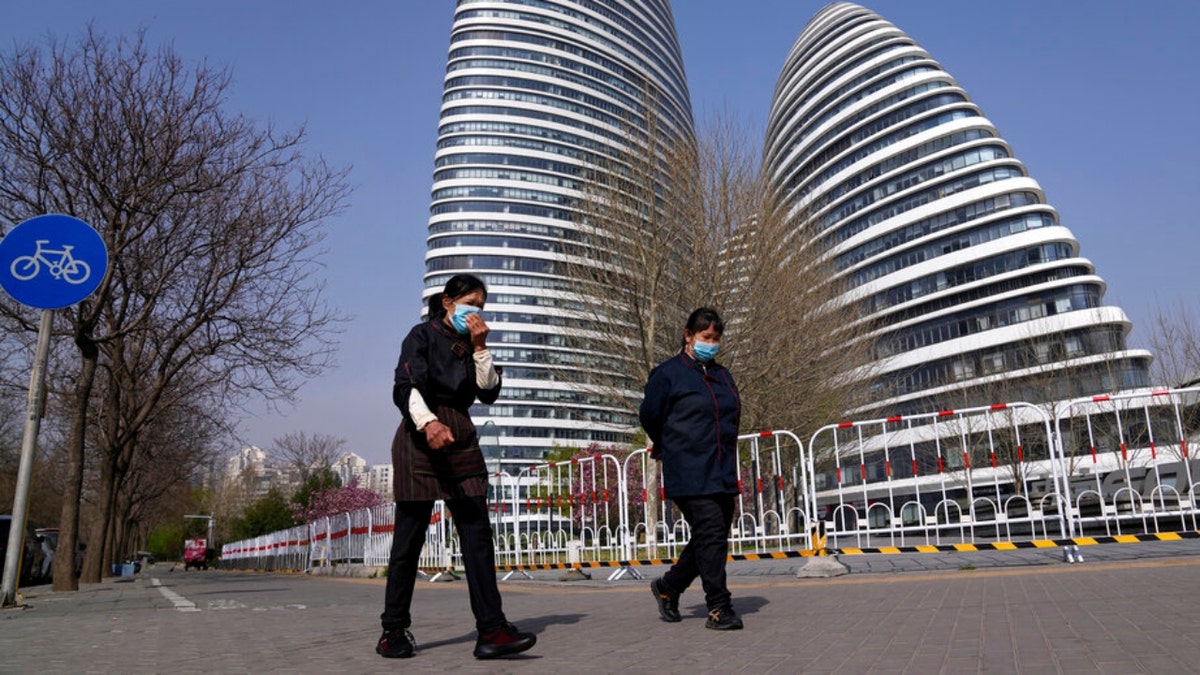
{"x":123,"y":569}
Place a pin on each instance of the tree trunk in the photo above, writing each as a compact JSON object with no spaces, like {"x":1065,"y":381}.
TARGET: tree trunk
{"x":107,"y":532}
{"x":110,"y":539}
{"x":64,"y":565}
{"x":96,"y":561}
{"x":120,"y":548}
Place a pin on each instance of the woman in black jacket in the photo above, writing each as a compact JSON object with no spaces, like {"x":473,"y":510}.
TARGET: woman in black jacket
{"x":444,"y":367}
{"x":691,"y":413}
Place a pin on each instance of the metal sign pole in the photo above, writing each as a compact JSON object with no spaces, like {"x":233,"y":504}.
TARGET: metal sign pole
{"x":16,"y":533}
{"x":48,"y":262}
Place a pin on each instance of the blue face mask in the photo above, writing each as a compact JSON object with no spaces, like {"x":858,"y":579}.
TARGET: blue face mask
{"x":705,"y":351}
{"x":459,"y":318}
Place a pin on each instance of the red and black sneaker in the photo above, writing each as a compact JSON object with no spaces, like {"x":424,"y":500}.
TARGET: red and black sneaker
{"x":397,"y":643}
{"x":503,"y":641}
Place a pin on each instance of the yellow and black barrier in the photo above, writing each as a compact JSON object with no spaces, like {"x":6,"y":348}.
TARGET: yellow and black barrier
{"x":940,"y":548}
{"x":1025,"y":545}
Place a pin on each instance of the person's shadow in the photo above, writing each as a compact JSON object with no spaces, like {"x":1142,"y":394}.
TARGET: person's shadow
{"x":535,"y":625}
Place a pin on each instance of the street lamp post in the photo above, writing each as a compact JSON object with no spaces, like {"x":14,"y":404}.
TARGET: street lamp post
{"x":488,"y":436}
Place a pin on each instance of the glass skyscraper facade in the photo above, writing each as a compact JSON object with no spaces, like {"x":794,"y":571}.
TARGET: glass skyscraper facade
{"x":533,"y":89}
{"x":970,"y":285}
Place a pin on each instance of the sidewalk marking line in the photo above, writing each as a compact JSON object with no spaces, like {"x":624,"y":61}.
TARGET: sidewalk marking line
{"x":181,"y":603}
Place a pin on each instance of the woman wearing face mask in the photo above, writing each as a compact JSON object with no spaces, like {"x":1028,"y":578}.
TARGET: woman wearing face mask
{"x":444,"y":367}
{"x":691,"y":413}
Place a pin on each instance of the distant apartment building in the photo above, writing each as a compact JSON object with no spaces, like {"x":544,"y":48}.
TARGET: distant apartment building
{"x":250,"y":458}
{"x":379,"y":480}
{"x":254,"y":473}
{"x":351,"y":467}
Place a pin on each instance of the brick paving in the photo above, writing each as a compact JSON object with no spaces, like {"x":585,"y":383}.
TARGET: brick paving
{"x":1127,"y":609}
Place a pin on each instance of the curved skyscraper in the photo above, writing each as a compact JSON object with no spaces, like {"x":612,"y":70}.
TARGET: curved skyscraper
{"x":534,"y":91}
{"x":971,"y":286}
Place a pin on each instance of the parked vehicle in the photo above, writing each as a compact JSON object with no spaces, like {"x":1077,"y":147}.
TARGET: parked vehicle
{"x":50,"y":536}
{"x":195,"y":553}
{"x":31,"y":560}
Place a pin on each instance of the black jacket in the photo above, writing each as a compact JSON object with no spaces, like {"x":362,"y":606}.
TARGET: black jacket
{"x":691,"y":412}
{"x":438,"y":362}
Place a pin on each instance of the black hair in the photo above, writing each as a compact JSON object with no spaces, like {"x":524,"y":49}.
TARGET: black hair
{"x":458,"y":286}
{"x":704,"y":318}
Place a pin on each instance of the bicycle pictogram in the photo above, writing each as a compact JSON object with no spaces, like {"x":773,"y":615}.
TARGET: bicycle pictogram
{"x":64,"y":267}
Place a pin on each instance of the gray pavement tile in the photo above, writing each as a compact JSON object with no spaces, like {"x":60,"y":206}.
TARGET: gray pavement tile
{"x":1025,"y":618}
{"x":1035,"y":669}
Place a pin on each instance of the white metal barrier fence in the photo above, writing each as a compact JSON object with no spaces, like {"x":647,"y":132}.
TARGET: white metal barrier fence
{"x":282,"y":550}
{"x":592,"y":508}
{"x":552,"y":512}
{"x":772,"y":511}
{"x":377,"y":545}
{"x":1001,"y":473}
{"x":945,"y":477}
{"x":1128,"y":462}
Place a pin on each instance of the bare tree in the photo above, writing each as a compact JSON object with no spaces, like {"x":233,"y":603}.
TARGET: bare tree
{"x":1175,"y":341}
{"x":11,"y":416}
{"x":213,"y":227}
{"x":796,"y":343}
{"x":675,"y":223}
{"x":672,"y":222}
{"x":231,"y":495}
{"x":134,"y":469}
{"x":304,"y":454}
{"x":625,"y":273}
{"x":46,"y":486}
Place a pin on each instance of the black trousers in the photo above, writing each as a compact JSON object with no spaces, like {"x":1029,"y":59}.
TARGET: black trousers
{"x":709,"y":516}
{"x":474,"y":536}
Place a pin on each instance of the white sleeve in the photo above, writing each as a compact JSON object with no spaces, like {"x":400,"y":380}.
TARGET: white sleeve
{"x":418,"y":411}
{"x":486,"y":376}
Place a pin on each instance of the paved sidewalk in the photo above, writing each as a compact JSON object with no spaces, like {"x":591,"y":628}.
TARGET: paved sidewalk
{"x":1128,"y":609}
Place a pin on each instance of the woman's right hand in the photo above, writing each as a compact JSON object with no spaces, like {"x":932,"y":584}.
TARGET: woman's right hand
{"x":478,"y":330}
{"x":438,"y":435}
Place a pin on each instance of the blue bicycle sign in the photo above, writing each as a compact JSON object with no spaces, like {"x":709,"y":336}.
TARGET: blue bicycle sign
{"x":52,"y":261}
{"x":64,"y":267}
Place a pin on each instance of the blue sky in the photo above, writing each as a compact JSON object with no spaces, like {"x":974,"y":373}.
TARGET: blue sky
{"x":1098,"y":99}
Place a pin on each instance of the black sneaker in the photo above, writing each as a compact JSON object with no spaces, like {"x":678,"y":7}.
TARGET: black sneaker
{"x":503,"y":641}
{"x":396,"y":644}
{"x":668,"y":602}
{"x":723,"y":619}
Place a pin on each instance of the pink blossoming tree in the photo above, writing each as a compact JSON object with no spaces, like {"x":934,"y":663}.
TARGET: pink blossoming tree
{"x":336,"y":500}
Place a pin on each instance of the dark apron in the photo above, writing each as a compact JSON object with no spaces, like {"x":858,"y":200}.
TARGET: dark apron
{"x":424,"y":474}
